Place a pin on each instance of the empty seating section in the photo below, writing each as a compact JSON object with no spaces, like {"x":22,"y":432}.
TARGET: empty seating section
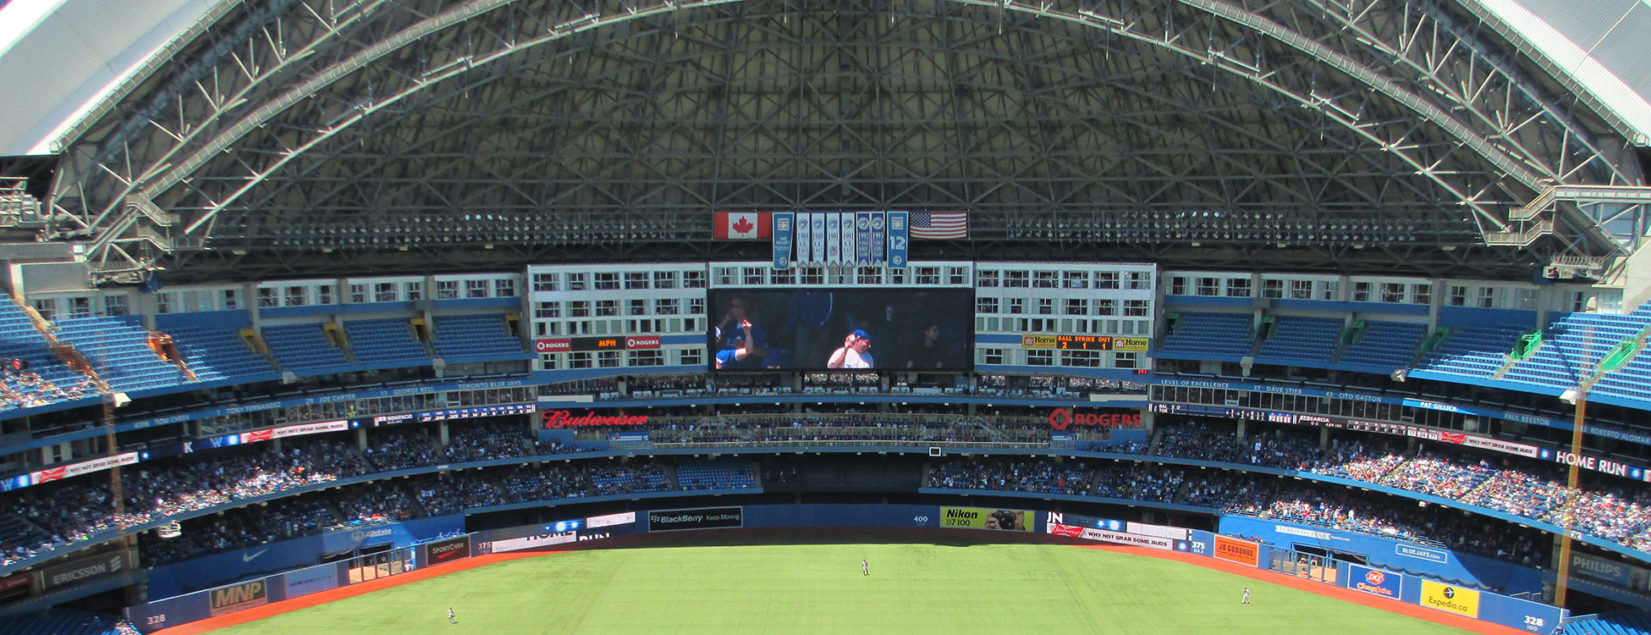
{"x":47,"y":379}
{"x":698,"y":475}
{"x":216,"y":354}
{"x":303,"y":347}
{"x":1572,"y":346}
{"x":118,"y":349}
{"x":1633,"y":380}
{"x":1301,"y":339}
{"x":1385,"y":344}
{"x":383,"y":342}
{"x":1212,"y":336}
{"x":1474,"y":351}
{"x":460,"y":338}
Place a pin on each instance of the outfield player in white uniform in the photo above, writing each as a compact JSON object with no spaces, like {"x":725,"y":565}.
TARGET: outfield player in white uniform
{"x":450,"y":618}
{"x":1246,"y":599}
{"x":865,"y":567}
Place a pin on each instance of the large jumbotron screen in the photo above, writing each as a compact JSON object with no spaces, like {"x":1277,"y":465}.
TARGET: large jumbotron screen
{"x":849,"y":329}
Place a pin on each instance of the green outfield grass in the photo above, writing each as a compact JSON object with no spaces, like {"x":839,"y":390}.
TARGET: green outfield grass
{"x":811,"y":588}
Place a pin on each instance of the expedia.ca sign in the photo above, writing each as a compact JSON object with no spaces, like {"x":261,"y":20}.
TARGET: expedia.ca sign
{"x":1063,"y":418}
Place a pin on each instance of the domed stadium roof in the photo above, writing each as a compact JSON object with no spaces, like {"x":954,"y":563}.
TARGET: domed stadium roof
{"x":286,"y":137}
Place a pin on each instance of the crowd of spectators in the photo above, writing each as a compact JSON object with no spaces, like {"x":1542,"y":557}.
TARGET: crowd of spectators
{"x":75,"y":510}
{"x":23,"y":388}
{"x":1242,"y":493}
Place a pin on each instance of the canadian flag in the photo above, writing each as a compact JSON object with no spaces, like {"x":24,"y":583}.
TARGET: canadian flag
{"x":742,"y":225}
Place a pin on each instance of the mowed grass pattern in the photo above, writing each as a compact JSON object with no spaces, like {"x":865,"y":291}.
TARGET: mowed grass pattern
{"x":913,"y":588}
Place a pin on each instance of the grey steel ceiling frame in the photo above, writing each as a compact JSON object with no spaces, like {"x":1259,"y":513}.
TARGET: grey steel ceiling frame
{"x":344,"y":120}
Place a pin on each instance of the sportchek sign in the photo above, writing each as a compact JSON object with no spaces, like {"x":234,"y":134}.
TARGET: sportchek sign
{"x":566,"y":419}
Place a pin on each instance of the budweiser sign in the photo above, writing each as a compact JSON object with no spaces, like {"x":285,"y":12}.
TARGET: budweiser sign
{"x":566,"y":419}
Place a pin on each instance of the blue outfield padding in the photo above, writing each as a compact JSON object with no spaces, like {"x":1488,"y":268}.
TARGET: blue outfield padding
{"x":1394,"y":555}
{"x":1480,"y":604}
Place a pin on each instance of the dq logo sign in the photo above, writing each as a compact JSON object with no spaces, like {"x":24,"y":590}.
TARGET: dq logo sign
{"x":1062,"y":418}
{"x":1375,"y":577}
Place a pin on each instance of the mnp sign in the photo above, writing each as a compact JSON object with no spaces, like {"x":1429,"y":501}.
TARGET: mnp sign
{"x":235,"y":597}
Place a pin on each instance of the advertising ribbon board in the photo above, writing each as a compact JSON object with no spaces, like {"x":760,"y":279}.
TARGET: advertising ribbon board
{"x":983,"y":518}
{"x":701,"y":518}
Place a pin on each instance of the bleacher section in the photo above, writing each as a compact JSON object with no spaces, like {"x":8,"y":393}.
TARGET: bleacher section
{"x":304,"y":349}
{"x":1472,"y":351}
{"x":723,"y":474}
{"x":118,"y":349}
{"x":1572,"y":347}
{"x":624,"y":479}
{"x":385,"y":343}
{"x":1208,"y":336}
{"x":472,"y":338}
{"x":59,"y":623}
{"x":1384,"y":346}
{"x":1296,"y":340}
{"x":47,"y":379}
{"x":216,"y":354}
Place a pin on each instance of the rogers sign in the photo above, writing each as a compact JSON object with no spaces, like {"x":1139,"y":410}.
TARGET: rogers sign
{"x":1063,"y":418}
{"x":565,"y":419}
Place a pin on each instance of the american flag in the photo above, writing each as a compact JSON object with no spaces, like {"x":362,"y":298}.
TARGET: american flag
{"x":939,"y":225}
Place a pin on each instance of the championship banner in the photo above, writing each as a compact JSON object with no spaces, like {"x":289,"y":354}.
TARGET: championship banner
{"x":1239,"y":551}
{"x":805,"y":238}
{"x":1450,"y":598}
{"x":782,"y":240}
{"x":834,"y":238}
{"x":862,"y":238}
{"x":1375,"y":581}
{"x":897,"y":240}
{"x":817,"y":224}
{"x":982,"y":518}
{"x":876,"y":238}
{"x":847,"y":237}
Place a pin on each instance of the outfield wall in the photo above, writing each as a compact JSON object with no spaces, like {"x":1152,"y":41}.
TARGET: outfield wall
{"x":595,"y":531}
{"x":242,"y":564}
{"x":1430,"y":561}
